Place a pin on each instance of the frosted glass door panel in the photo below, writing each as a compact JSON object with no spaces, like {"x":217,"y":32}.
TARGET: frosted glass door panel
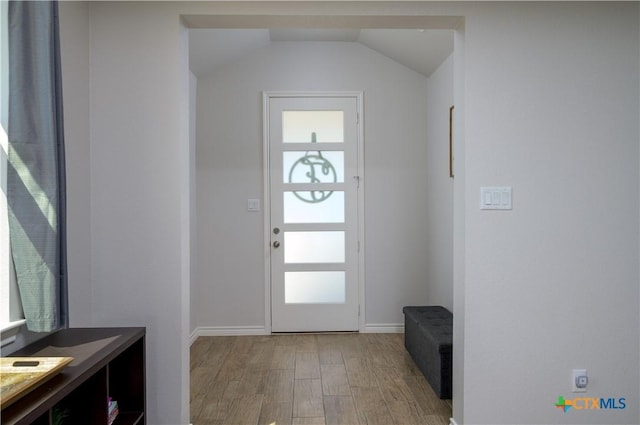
{"x":314,"y":247}
{"x":314,"y":206}
{"x":314,"y":287}
{"x":298,"y":126}
{"x":313,"y":167}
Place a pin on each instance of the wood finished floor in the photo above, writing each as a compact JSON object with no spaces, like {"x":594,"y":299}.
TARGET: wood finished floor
{"x":310,"y":379}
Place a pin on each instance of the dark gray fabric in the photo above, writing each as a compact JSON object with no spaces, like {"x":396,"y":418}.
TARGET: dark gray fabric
{"x":36,"y":171}
{"x":428,"y":337}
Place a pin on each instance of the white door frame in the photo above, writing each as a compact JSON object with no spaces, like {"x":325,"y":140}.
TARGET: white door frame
{"x":266,"y":95}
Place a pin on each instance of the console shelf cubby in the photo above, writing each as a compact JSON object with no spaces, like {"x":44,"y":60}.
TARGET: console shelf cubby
{"x":108,"y":363}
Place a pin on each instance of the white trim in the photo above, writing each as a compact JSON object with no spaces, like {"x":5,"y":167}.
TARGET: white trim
{"x":9,"y":331}
{"x":384,"y":328}
{"x":227,"y":331}
{"x":346,"y":93}
{"x":6,"y":327}
{"x":452,"y":421}
{"x":193,"y":337}
{"x":361,"y":204}
{"x":262,"y":330}
{"x":266,"y":211}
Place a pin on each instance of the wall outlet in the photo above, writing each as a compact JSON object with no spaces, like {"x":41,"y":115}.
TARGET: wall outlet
{"x":579,"y":380}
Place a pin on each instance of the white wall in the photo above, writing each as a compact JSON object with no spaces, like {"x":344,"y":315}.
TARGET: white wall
{"x":74,"y":41}
{"x":551,"y":110}
{"x":139,"y":189}
{"x":229,"y":166}
{"x":439,"y":189}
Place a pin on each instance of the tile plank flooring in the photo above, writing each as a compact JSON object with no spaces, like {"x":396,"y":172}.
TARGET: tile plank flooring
{"x":310,"y":379}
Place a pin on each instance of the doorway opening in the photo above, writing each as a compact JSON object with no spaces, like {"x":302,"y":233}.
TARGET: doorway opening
{"x":225,"y":23}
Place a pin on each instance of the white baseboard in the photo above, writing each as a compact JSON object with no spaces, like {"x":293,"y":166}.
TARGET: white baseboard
{"x":192,"y":338}
{"x":227,"y":331}
{"x":384,"y":328}
{"x":261,"y":330}
{"x":452,"y":421}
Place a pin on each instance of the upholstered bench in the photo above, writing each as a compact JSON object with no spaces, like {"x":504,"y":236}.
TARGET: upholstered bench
{"x":428,"y":336}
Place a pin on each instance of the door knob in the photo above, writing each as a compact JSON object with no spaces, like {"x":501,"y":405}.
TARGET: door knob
{"x":276,"y":244}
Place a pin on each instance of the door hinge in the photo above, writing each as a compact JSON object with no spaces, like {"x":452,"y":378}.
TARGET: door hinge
{"x":357,"y":179}
{"x":357,"y":118}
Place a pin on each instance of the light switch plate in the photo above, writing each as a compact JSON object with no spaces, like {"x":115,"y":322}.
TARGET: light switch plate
{"x":253,"y":205}
{"x":495,"y":198}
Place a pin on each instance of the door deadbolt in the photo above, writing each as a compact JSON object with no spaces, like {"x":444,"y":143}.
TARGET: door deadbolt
{"x":276,"y":230}
{"x":276,"y":244}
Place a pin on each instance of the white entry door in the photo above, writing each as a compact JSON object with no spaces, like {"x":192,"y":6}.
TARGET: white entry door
{"x":313,"y":188}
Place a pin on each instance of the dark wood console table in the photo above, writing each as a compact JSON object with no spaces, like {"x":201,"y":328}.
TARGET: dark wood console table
{"x":109,"y":363}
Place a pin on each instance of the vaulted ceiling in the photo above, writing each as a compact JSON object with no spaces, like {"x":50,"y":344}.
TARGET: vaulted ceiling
{"x":420,"y":50}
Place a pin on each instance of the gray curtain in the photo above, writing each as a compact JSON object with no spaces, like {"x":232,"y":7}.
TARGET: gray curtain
{"x":36,"y":172}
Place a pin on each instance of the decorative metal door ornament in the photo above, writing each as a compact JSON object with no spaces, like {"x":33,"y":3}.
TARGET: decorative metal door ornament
{"x":318,"y":166}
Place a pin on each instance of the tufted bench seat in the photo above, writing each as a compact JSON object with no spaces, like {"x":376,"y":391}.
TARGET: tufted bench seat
{"x":428,"y":336}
